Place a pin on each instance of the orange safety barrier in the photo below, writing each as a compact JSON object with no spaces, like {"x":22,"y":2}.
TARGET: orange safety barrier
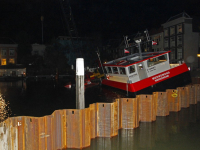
{"x":191,"y":89}
{"x":183,"y":94}
{"x":78,"y":128}
{"x":129,"y":113}
{"x":107,"y":126}
{"x":118,"y":105}
{"x":197,"y":92}
{"x":162,"y":106}
{"x":147,"y":108}
{"x":93,"y":133}
{"x":74,"y":128}
{"x":174,"y":100}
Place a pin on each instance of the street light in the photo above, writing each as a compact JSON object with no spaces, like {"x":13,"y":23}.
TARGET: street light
{"x":42,"y":19}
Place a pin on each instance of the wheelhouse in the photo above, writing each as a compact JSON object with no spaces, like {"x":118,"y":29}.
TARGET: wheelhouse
{"x":137,"y":67}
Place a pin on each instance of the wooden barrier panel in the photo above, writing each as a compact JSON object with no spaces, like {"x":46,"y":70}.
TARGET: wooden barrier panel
{"x":57,"y":129}
{"x":74,"y":128}
{"x":183,"y":94}
{"x":119,"y":112}
{"x":197,"y":92}
{"x":191,"y":89}
{"x":7,"y":129}
{"x":106,"y":126}
{"x":147,"y":108}
{"x":129,"y":113}
{"x":174,"y":100}
{"x":162,"y":107}
{"x":48,"y":132}
{"x":78,"y":128}
{"x":115,"y":119}
{"x":13,"y":137}
{"x":92,"y":120}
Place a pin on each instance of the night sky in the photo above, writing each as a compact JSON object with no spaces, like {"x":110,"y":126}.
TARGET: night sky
{"x":109,"y":19}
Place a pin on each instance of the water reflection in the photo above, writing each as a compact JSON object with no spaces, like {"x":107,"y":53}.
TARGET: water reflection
{"x":44,"y":97}
{"x":179,"y":130}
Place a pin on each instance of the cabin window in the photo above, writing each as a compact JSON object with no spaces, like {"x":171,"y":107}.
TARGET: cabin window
{"x":122,"y":70}
{"x":109,"y":69}
{"x":115,"y":70}
{"x":131,"y":69}
{"x":156,"y":60}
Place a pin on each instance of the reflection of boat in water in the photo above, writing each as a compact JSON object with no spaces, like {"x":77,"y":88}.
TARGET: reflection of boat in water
{"x":87,"y":84}
{"x":144,"y":73}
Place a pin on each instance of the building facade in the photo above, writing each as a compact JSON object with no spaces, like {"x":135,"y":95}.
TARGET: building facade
{"x":180,"y":39}
{"x":8,"y":54}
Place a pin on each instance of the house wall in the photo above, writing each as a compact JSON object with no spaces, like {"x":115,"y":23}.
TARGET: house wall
{"x":191,"y":40}
{"x":13,"y":72}
{"x":38,"y":49}
{"x":8,"y":56}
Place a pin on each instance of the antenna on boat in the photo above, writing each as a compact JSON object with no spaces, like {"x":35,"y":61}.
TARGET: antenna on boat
{"x":138,"y":42}
{"x":98,"y":54}
{"x":126,"y":41}
{"x":147,"y":35}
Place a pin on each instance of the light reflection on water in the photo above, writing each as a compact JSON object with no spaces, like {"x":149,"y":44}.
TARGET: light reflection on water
{"x":178,"y":131}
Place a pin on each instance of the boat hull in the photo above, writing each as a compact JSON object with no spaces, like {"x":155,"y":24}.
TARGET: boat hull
{"x":170,"y":79}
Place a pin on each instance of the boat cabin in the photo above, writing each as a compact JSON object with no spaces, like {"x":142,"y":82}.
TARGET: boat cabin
{"x":136,"y":67}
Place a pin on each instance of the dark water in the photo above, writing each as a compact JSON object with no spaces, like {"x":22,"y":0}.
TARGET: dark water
{"x":43,"y":98}
{"x":178,"y":131}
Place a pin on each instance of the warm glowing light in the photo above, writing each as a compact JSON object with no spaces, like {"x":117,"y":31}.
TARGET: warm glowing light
{"x":198,"y":55}
{"x":5,"y":111}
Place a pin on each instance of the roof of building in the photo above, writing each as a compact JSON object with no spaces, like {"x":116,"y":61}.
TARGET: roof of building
{"x":183,"y":14}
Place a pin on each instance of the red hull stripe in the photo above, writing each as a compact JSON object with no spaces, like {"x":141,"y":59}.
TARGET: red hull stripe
{"x":134,"y":87}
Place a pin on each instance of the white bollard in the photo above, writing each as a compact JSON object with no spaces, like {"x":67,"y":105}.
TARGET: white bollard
{"x":80,"y":87}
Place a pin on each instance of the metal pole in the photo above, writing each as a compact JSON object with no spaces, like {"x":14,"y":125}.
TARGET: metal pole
{"x":140,"y":52}
{"x":101,"y":64}
{"x":80,"y":87}
{"x":42,"y":18}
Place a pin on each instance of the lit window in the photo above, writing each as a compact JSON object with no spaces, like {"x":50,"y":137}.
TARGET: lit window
{"x":3,"y":61}
{"x":11,"y":60}
{"x":179,"y":28}
{"x":11,"y":52}
{"x":3,"y":52}
{"x":156,"y":60}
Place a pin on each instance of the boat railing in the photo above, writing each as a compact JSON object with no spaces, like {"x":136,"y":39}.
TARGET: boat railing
{"x":175,"y":62}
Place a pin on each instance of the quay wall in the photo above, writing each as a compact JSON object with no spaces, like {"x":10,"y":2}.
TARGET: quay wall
{"x":74,"y":128}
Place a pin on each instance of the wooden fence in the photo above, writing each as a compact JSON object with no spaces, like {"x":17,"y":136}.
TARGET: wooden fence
{"x":74,"y":128}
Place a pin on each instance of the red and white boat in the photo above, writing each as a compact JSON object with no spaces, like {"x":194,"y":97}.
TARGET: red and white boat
{"x":144,"y":73}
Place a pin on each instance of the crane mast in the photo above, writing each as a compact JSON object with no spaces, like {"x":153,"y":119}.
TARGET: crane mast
{"x":71,"y":26}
